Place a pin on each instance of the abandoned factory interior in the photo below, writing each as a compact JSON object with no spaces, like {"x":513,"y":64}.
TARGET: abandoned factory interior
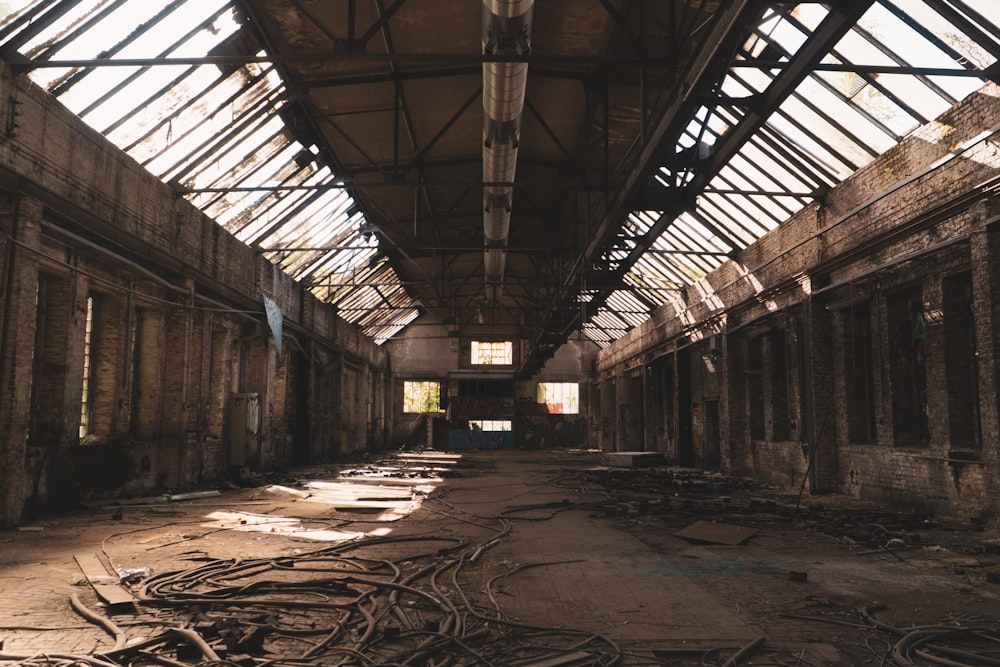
{"x":499,"y":332}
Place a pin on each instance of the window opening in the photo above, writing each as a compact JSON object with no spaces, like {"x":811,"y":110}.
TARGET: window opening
{"x":859,"y":373}
{"x":85,"y":387}
{"x":421,"y":397}
{"x":493,"y":425}
{"x":780,"y":422}
{"x":495,"y":353}
{"x":559,"y":398}
{"x":907,"y":365}
{"x":961,"y":372}
{"x":46,"y":390}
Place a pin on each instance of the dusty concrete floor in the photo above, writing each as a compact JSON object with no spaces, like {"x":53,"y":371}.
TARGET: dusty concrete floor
{"x":499,"y":558}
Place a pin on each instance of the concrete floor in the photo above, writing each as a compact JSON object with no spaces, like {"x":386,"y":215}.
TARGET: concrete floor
{"x":511,"y":542}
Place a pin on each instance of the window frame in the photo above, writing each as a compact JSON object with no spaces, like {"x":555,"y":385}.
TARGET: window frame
{"x":572,"y":407}
{"x":428,"y":387}
{"x":487,"y":353}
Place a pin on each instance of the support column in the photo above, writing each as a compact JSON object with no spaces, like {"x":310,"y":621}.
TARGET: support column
{"x":20,"y":225}
{"x":823,"y":452}
{"x":985,"y":251}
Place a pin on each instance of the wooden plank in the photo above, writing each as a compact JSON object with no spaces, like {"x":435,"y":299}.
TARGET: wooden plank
{"x":104,"y":583}
{"x":94,"y":569}
{"x":716,"y":533}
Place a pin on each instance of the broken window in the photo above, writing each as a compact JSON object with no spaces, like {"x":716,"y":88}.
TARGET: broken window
{"x":491,"y":425}
{"x":85,"y":388}
{"x":859,"y":375}
{"x":103,"y":362}
{"x":492,"y":353}
{"x":962,"y":374}
{"x":421,"y":397}
{"x":907,"y":367}
{"x":561,"y":398}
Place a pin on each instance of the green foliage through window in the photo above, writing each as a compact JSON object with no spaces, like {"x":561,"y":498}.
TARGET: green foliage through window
{"x":422,"y":397}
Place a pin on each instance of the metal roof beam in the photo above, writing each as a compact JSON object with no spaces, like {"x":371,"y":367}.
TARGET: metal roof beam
{"x":840,"y":20}
{"x":862,"y":69}
{"x":337,"y":41}
{"x":390,"y":77}
{"x":958,"y":13}
{"x":600,"y":63}
{"x":699,"y":77}
{"x":382,"y":22}
{"x":36,"y":24}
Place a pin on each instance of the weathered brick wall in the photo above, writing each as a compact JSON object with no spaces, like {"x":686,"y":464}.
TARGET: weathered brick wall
{"x":903,"y":225}
{"x":19,"y":224}
{"x":171,"y":292}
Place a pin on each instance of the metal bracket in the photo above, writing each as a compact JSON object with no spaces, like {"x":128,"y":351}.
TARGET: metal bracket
{"x":11,"y":124}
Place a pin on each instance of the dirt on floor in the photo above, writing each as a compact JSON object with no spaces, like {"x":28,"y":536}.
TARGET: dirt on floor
{"x":533,"y":559}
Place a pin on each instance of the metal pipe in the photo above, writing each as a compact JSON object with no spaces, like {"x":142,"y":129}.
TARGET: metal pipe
{"x":506,"y":31}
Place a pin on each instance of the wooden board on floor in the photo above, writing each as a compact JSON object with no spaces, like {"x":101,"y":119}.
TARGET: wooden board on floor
{"x":104,"y":583}
{"x":716,"y":533}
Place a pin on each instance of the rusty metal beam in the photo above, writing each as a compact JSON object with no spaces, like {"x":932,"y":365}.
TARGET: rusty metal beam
{"x":453,"y":59}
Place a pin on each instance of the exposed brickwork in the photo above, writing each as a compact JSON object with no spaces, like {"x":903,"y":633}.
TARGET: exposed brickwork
{"x":902,"y":245}
{"x":20,"y":222}
{"x":174,"y":297}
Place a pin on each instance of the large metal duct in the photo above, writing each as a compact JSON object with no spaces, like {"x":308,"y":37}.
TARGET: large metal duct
{"x":506,"y":31}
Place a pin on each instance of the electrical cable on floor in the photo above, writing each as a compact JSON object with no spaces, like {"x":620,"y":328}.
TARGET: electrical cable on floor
{"x":97,"y":619}
{"x":387,"y":610}
{"x":404,"y":600}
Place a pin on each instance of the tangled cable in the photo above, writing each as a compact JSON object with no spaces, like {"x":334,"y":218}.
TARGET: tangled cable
{"x":381,"y":601}
{"x":938,"y":644}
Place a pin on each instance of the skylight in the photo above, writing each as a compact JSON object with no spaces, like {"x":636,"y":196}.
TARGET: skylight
{"x":867,"y":94}
{"x":219,"y":133}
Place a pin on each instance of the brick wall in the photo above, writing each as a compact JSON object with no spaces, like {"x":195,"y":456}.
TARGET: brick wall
{"x":909,"y":236}
{"x":173,"y":295}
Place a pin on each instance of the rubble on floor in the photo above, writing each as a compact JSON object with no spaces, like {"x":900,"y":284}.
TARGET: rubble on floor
{"x":331,"y":566}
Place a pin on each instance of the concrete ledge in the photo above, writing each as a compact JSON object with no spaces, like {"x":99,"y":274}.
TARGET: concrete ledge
{"x":631,"y":459}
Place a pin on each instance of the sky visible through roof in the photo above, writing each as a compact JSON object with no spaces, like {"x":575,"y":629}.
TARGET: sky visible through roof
{"x":217,"y":134}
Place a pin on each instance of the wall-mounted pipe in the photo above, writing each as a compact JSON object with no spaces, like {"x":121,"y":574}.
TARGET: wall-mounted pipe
{"x":506,"y":30}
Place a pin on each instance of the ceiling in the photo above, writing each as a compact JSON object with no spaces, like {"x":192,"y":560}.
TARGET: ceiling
{"x":505,"y":168}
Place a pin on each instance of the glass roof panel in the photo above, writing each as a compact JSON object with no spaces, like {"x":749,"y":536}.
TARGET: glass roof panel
{"x":215,"y":133}
{"x":837,"y":120}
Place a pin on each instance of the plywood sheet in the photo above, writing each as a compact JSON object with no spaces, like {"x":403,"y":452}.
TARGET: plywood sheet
{"x":716,"y":533}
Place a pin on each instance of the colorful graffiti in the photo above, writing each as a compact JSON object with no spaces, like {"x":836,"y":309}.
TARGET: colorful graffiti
{"x":552,"y":432}
{"x":468,"y":439}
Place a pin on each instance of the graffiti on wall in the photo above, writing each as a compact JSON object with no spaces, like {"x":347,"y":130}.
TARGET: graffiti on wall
{"x":474,"y":439}
{"x":570,"y":432}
